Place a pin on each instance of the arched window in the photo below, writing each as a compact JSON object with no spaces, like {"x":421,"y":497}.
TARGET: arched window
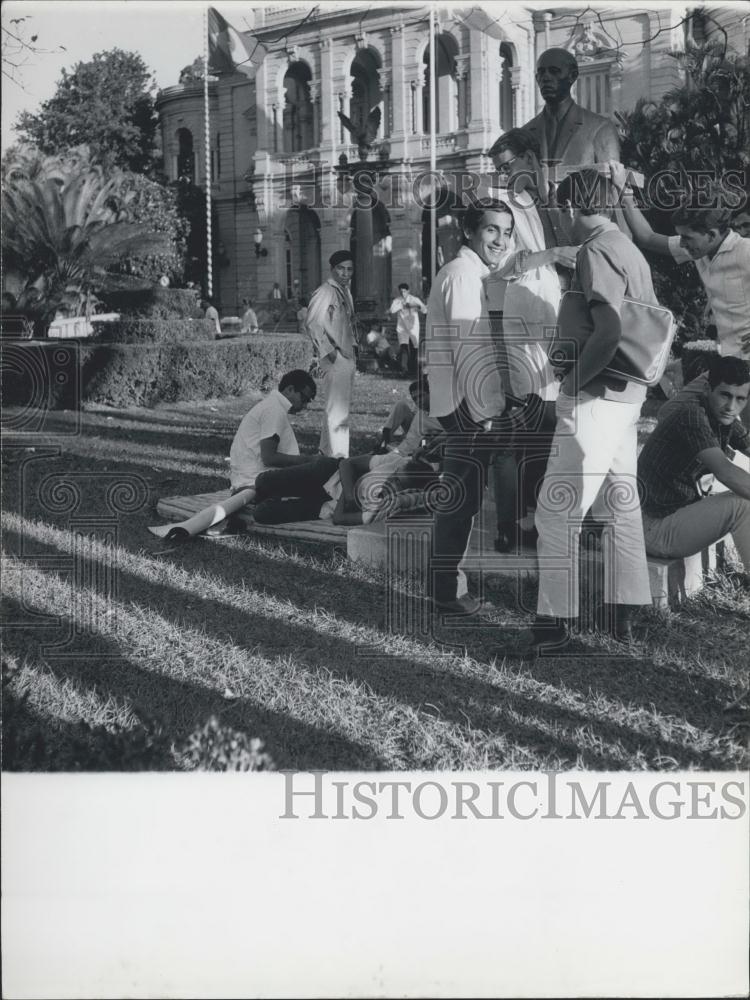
{"x":506,"y":88}
{"x":446,"y":93}
{"x":185,"y":155}
{"x":297,"y":120}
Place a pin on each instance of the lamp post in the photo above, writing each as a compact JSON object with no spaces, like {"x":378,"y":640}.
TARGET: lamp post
{"x":260,"y":250}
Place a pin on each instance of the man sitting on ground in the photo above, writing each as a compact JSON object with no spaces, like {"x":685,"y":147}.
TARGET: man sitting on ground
{"x":689,"y":444}
{"x":265,"y":456}
{"x":415,"y":423}
{"x":364,"y":479}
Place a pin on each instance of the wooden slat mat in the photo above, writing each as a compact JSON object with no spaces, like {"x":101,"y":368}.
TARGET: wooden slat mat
{"x":180,"y":508}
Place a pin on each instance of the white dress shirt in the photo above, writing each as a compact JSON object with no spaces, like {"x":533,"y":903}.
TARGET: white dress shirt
{"x":460,"y":359}
{"x":407,"y":318}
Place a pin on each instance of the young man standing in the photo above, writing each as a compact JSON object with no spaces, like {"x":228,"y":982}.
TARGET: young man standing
{"x":594,"y":452}
{"x":330,"y":324}
{"x":689,"y":444}
{"x":407,"y":308}
{"x":465,"y":389}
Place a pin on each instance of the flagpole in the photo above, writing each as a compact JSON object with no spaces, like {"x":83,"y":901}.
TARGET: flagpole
{"x":207,"y":144}
{"x":433,"y":149}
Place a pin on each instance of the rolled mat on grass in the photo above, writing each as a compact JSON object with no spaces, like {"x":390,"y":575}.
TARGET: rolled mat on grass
{"x":48,"y":375}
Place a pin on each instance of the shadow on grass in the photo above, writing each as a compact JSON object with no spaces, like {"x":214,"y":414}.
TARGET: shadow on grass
{"x":178,"y":706}
{"x":505,"y":719}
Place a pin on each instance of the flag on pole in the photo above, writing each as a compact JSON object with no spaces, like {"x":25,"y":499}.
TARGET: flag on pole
{"x":229,"y":51}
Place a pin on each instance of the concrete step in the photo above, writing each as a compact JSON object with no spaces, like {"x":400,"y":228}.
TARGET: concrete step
{"x":403,"y":545}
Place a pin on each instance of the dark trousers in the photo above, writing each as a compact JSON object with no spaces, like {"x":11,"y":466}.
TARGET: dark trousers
{"x":519,"y":469}
{"x":293,"y":494}
{"x":466,"y":458}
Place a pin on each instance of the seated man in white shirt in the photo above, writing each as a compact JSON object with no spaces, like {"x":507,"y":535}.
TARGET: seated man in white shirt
{"x":265,"y":457}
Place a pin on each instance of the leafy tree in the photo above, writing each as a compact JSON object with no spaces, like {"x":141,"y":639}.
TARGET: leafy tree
{"x":61,"y":231}
{"x":106,"y":104}
{"x":702,"y":126}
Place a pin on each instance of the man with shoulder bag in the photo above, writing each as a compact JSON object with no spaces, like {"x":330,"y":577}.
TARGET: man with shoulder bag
{"x":594,"y":451}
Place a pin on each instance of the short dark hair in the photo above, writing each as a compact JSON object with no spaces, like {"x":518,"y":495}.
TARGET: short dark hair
{"x":421,"y":385}
{"x":702,"y":219}
{"x":474,"y":212}
{"x":403,"y":285}
{"x":298,"y":380}
{"x":302,"y":300}
{"x":728,"y":369}
{"x":589,"y":191}
{"x":518,"y":141}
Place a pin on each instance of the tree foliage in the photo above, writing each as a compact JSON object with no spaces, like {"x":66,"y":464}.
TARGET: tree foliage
{"x":66,"y":227}
{"x":702,"y":126}
{"x":106,"y":104}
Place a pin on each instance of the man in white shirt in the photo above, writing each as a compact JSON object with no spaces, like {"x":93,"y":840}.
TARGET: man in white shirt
{"x":407,"y":308}
{"x":330,"y":324}
{"x":721,"y":256}
{"x":249,"y":317}
{"x":265,"y":456}
{"x":211,"y":313}
{"x":466,"y":389}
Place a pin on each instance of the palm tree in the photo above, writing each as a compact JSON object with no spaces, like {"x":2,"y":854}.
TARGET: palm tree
{"x":63,"y":226}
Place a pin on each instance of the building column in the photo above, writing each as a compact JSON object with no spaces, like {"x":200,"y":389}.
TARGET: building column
{"x":399,"y":91}
{"x":386,"y":105}
{"x":462,"y":82}
{"x":314,"y":89}
{"x":329,"y":123}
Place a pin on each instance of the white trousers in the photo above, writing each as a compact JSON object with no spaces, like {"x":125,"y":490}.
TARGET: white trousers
{"x":338,"y":386}
{"x":593,"y":465}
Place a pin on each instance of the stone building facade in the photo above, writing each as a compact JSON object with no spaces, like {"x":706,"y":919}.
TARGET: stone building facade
{"x":287,"y":180}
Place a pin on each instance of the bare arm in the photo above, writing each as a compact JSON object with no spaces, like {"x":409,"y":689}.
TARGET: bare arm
{"x":731,"y":475}
{"x":524,"y":261}
{"x":272,"y":458}
{"x":598,"y":350}
{"x":642,"y":232}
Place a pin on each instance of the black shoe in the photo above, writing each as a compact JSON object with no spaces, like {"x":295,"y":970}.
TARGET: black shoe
{"x":513,"y":538}
{"x":616,"y":620}
{"x":507,"y":538}
{"x":466,"y":605}
{"x":546,"y":635}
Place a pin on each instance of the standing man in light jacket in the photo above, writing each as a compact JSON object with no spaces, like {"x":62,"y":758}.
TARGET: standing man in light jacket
{"x":330,"y":323}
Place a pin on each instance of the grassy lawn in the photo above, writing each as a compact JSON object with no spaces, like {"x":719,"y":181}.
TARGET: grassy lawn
{"x":122,"y":653}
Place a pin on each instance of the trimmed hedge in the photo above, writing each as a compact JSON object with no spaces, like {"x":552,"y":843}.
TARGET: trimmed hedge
{"x":53,"y":374}
{"x":155,"y":330}
{"x":154,"y":302}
